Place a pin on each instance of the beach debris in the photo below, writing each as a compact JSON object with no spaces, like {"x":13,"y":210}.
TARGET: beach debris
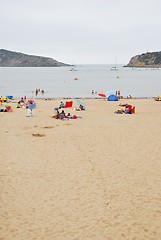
{"x":48,"y":127}
{"x":68,"y":124}
{"x":38,"y":134}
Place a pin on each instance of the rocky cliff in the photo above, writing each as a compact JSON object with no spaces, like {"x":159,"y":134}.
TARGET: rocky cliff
{"x":146,"y":60}
{"x":17,"y":59}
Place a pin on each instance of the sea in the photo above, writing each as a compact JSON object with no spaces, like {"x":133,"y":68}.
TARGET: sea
{"x":61,"y":82}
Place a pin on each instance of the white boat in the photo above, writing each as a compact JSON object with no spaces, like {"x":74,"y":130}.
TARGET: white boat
{"x":73,"y":69}
{"x":114,"y":68}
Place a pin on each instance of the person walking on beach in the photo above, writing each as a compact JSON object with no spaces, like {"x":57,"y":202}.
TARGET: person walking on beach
{"x":31,"y":106}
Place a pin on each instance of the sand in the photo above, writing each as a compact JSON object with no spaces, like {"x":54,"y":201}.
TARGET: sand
{"x":93,"y":178}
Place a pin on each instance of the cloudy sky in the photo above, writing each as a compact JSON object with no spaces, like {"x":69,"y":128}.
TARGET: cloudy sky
{"x":81,"y":31}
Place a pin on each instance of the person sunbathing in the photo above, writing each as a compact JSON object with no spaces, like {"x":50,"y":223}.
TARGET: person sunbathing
{"x":123,"y":104}
{"x":57,"y":115}
{"x":128,"y":109}
{"x":80,"y":108}
{"x":68,"y":115}
{"x":62,"y":115}
{"x":120,"y":111}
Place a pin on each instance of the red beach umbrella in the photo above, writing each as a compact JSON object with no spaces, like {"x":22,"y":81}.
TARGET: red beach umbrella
{"x":102,"y":94}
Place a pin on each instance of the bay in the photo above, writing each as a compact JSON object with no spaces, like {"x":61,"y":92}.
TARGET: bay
{"x":59,"y":82}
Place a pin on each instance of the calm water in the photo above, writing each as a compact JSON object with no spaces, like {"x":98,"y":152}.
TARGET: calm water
{"x":59,"y":82}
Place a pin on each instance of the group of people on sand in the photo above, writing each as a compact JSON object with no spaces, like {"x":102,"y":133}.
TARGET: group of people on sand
{"x":5,"y":108}
{"x":28,"y":104}
{"x":31,"y":104}
{"x":80,"y":108}
{"x":62,"y":115}
{"x":22,"y":103}
{"x":128,"y":109}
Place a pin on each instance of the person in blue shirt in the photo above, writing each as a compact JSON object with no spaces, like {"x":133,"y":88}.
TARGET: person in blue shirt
{"x":62,"y":105}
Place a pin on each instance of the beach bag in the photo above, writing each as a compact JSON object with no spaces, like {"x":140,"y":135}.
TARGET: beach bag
{"x":74,"y":117}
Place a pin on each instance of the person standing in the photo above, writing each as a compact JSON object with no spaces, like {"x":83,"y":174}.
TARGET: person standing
{"x":31,"y":106}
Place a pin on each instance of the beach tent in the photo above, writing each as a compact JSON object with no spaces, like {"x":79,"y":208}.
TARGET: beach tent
{"x":9,"y":97}
{"x":112,"y":97}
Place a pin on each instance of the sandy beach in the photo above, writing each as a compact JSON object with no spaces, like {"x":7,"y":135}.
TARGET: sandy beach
{"x":97,"y":177}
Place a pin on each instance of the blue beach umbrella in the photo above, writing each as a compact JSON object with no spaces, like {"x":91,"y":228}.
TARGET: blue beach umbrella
{"x":110,"y":92}
{"x":81,"y":103}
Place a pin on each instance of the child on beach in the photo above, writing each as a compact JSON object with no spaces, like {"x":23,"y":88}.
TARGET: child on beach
{"x":31,"y":106}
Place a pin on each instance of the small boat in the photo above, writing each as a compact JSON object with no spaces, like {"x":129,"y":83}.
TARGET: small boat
{"x":114,"y":68}
{"x":73,"y":69}
{"x":76,"y":78}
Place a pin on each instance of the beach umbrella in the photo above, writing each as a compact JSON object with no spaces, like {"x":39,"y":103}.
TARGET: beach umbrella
{"x":81,"y":103}
{"x":102,"y":94}
{"x":110,"y":92}
{"x":4,"y":99}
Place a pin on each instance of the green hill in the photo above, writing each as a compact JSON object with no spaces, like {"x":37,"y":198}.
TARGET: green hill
{"x":17,"y":59}
{"x":146,"y":60}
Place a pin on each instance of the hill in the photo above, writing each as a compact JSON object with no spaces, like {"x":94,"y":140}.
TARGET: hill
{"x":17,"y":59}
{"x":146,"y":60}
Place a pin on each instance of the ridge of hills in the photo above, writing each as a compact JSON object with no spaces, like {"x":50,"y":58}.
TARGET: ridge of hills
{"x":146,"y":60}
{"x":18,"y":59}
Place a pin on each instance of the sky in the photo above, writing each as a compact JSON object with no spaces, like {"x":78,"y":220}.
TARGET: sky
{"x":81,"y":31}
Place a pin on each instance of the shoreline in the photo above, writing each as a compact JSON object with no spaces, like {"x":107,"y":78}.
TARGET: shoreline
{"x":55,"y":98}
